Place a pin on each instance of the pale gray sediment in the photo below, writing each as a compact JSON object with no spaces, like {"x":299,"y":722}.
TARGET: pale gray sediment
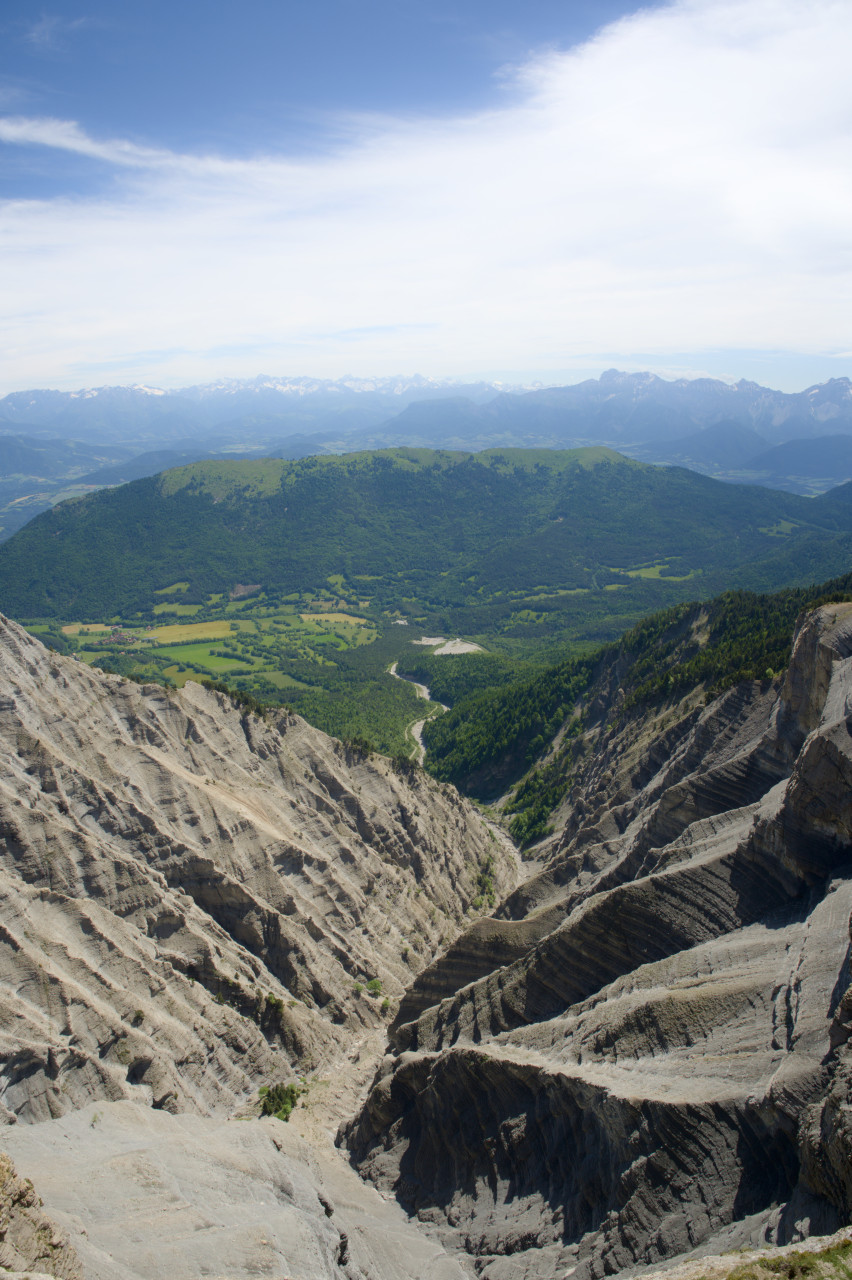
{"x":647,"y":1045}
{"x":641,"y":1057}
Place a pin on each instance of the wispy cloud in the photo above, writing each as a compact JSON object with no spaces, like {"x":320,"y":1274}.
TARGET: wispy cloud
{"x":49,"y":33}
{"x":66,"y":135}
{"x":681,"y":183}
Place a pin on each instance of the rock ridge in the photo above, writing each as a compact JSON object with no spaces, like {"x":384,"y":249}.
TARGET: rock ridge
{"x":193,"y":898}
{"x":29,"y":1241}
{"x":657,"y":1055}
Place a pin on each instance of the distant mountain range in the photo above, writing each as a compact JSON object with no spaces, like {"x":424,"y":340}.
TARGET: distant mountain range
{"x":703,"y":424}
{"x":825,"y":459}
{"x":722,"y":447}
{"x":729,"y":451}
{"x":263,"y":406}
{"x":628,"y":407}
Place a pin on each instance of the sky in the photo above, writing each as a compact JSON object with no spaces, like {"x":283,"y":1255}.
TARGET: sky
{"x":528,"y":193}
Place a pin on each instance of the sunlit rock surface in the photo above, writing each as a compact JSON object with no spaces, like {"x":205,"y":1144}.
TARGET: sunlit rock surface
{"x":655,"y":1062}
{"x":192,"y":899}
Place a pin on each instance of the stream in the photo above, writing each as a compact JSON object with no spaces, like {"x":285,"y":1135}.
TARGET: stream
{"x":416,"y":729}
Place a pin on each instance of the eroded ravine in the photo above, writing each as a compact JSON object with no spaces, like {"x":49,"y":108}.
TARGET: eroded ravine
{"x":644,"y":1054}
{"x":197,"y":902}
{"x":640,"y":1054}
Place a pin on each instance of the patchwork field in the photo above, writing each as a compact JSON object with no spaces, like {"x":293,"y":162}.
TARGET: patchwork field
{"x":176,"y":633}
{"x":330,"y":664}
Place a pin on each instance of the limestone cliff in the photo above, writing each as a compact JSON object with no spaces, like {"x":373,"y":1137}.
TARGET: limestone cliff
{"x":193,"y":899}
{"x":643,"y":1053}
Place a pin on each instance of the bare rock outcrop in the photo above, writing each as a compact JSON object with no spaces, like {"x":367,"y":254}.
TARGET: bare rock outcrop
{"x":29,"y":1241}
{"x":151,"y":1196}
{"x":658,"y":1056}
{"x":193,"y":899}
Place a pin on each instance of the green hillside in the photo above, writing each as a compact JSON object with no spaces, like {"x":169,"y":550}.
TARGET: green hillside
{"x":498,"y":732}
{"x":288,"y":579}
{"x":528,"y":542}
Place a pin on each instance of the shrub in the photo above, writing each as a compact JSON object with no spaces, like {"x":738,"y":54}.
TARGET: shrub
{"x":279,"y":1100}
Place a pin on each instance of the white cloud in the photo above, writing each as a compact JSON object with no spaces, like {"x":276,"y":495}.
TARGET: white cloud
{"x":683,"y":182}
{"x":66,"y":135}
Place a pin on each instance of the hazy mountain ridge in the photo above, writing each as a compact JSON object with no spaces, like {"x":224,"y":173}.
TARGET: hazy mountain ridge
{"x":650,"y":418}
{"x":733,"y":452}
{"x":25,"y":455}
{"x":629,"y":401}
{"x":616,"y":406}
{"x":189,"y":410}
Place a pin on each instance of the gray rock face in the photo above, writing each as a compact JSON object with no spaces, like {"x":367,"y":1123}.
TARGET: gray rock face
{"x":151,"y":1196}
{"x":190,"y":896}
{"x":644,"y":1052}
{"x":29,"y":1241}
{"x":658,"y":1053}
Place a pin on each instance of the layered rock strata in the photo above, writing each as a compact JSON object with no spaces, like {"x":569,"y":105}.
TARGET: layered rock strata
{"x":193,"y":899}
{"x":656,"y":1060}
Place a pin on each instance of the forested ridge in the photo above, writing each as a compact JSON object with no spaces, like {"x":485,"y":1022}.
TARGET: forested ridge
{"x":492,"y":736}
{"x":522,"y":542}
{"x":288,"y":580}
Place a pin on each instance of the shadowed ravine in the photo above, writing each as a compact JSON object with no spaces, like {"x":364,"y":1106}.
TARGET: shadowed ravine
{"x":416,"y":728}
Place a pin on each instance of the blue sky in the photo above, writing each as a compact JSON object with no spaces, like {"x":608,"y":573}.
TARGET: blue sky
{"x":204,"y":75}
{"x":528,"y":192}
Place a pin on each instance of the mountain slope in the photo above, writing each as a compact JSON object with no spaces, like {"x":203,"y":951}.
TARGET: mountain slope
{"x":735,"y":453}
{"x":722,"y":447}
{"x":194,"y":899}
{"x":642,"y":1053}
{"x":36,"y":472}
{"x":492,"y":736}
{"x":20,"y":455}
{"x":823,"y":460}
{"x":472,"y":541}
